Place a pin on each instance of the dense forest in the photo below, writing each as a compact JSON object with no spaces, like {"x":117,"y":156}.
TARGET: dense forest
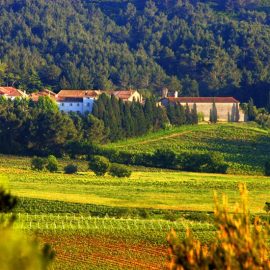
{"x":218,"y":47}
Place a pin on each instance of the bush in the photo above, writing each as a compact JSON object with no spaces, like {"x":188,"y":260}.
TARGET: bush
{"x":211,"y":163}
{"x":238,"y":243}
{"x":38,"y":163}
{"x":117,"y":170}
{"x":267,"y":168}
{"x":71,"y":168}
{"x":52,"y":164}
{"x":164,"y":158}
{"x":99,"y":165}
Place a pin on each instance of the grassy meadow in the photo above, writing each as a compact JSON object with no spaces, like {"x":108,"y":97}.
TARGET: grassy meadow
{"x":108,"y":223}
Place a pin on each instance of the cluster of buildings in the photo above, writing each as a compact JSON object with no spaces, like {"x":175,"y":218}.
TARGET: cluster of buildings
{"x":82,"y":101}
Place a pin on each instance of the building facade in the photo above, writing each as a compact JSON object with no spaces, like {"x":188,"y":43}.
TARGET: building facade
{"x":228,"y":108}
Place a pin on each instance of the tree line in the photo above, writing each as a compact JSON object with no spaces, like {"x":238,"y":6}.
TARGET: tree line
{"x":206,"y":48}
{"x":39,"y":128}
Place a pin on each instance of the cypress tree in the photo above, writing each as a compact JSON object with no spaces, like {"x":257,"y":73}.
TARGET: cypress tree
{"x":194,"y":113}
{"x":188,"y":115}
{"x":251,"y":112}
{"x":213,"y":113}
{"x":172,"y":114}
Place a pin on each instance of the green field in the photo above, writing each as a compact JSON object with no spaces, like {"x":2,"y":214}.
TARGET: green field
{"x":107,"y":223}
{"x":245,"y":147}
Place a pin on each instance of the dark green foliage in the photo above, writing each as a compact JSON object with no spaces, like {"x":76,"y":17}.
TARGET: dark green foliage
{"x":267,"y":168}
{"x":251,"y":110}
{"x":99,"y":165}
{"x":38,"y":163}
{"x":213,"y":114}
{"x":197,"y":47}
{"x":118,"y":170}
{"x":167,"y":159}
{"x":52,"y":164}
{"x":211,"y":163}
{"x":7,"y":201}
{"x":71,"y":169}
{"x":164,"y":158}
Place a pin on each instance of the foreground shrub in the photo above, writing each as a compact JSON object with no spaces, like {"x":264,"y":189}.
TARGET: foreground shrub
{"x":38,"y":163}
{"x":267,"y":168}
{"x":71,"y":169}
{"x":117,"y":170}
{"x":52,"y":164}
{"x":99,"y":165}
{"x":238,"y":244}
{"x":17,"y":250}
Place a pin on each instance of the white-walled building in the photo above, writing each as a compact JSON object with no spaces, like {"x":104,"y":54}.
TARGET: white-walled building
{"x":82,"y":101}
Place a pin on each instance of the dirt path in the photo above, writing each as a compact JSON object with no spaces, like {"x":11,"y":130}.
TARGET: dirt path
{"x":175,"y":135}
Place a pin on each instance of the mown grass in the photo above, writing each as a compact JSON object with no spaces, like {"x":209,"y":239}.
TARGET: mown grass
{"x":245,"y":147}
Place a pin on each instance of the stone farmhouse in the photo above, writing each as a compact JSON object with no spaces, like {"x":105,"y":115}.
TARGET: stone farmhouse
{"x":227,"y":107}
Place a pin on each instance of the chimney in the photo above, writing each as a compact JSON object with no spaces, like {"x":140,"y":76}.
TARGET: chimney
{"x":176,"y":94}
{"x":165,"y":92}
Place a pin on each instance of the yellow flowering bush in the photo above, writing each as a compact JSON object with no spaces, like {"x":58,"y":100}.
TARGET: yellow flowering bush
{"x":238,"y":244}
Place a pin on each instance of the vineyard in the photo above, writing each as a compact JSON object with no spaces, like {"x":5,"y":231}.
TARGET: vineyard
{"x":97,"y":222}
{"x":237,"y":143}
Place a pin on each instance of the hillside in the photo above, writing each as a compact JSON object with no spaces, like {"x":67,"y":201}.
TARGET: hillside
{"x":244,"y":147}
{"x":197,"y":47}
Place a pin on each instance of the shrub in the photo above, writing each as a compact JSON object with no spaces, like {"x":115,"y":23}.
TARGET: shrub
{"x":71,"y":168}
{"x":52,"y":164}
{"x":164,"y":158}
{"x":211,"y":163}
{"x":238,"y":244}
{"x":38,"y":163}
{"x":99,"y":165}
{"x":117,"y":170}
{"x":267,"y":168}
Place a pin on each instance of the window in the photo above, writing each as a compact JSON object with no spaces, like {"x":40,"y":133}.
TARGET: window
{"x":78,"y":104}
{"x":71,"y":104}
{"x":88,"y":104}
{"x":63,"y":104}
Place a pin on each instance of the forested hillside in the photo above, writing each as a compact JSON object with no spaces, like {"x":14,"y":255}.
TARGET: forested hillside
{"x":197,"y":47}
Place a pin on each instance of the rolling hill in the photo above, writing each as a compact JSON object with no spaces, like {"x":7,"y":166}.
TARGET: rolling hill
{"x":244,"y":146}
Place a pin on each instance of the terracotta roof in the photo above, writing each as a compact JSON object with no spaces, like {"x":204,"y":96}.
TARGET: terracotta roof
{"x":123,"y":94}
{"x":43,"y":93}
{"x":78,"y":93}
{"x":203,"y":99}
{"x":11,"y":92}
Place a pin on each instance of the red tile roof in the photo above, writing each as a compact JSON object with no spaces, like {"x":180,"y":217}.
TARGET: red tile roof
{"x":43,"y":93}
{"x":123,"y":94}
{"x":203,"y":99}
{"x":78,"y":93}
{"x":11,"y":92}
